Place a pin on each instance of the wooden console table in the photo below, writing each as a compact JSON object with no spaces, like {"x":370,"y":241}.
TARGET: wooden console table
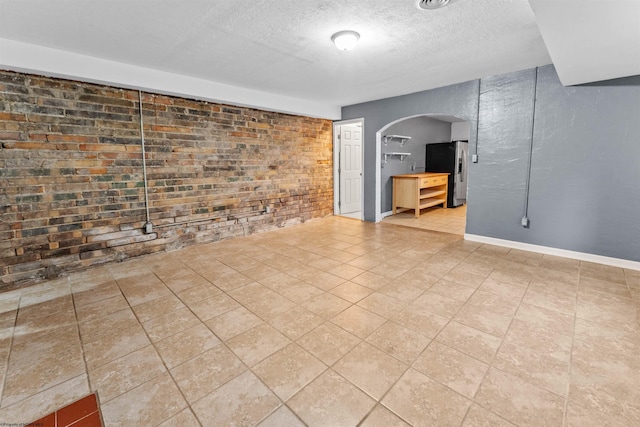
{"x":420,"y":190}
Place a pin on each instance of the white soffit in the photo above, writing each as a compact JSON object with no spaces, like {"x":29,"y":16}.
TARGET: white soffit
{"x":591,"y":40}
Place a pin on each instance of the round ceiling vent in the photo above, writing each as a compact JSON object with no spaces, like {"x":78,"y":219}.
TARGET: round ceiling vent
{"x":433,"y":4}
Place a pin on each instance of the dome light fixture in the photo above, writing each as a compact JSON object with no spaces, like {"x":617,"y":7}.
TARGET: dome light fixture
{"x":345,"y":40}
{"x":433,"y":4}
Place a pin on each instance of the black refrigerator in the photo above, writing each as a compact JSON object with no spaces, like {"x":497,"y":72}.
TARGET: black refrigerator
{"x":450,"y":157}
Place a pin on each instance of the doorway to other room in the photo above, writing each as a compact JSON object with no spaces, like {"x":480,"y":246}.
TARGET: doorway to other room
{"x":348,"y":157}
{"x":408,"y":149}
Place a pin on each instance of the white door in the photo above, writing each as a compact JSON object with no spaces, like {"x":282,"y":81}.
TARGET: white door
{"x":350,"y":170}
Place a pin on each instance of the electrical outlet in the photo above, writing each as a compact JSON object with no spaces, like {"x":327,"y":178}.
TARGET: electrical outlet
{"x":267,"y":209}
{"x":474,"y":158}
{"x":524,"y":221}
{"x":148,"y":228}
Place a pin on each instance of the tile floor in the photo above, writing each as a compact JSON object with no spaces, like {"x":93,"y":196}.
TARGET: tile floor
{"x":437,"y":219}
{"x":334,"y":322}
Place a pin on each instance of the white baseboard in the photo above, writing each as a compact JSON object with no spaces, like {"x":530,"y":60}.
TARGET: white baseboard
{"x":386,"y":214}
{"x":582,"y":256}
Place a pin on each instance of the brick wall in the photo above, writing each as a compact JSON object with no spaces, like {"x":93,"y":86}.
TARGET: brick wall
{"x":72,"y":189}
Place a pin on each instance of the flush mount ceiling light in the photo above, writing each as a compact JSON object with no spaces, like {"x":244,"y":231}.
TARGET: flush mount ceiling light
{"x":345,"y":40}
{"x":433,"y":4}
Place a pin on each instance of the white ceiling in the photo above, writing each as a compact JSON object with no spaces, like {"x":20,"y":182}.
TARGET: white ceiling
{"x":279,"y":50}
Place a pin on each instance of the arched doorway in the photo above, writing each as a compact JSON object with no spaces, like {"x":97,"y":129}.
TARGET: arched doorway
{"x":401,"y":148}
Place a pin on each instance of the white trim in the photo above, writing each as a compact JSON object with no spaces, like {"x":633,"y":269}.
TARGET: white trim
{"x":385,"y":214}
{"x":582,"y":256}
{"x":30,"y":58}
{"x":336,"y":176}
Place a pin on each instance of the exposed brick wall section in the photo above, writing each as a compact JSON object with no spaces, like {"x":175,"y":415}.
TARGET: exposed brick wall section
{"x":72,"y":190}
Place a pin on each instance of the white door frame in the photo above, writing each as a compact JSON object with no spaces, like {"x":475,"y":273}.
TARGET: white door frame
{"x":336,"y":165}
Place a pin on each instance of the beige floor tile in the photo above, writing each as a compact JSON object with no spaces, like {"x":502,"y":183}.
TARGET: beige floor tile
{"x":45,"y":402}
{"x":209,"y":308}
{"x":480,"y":417}
{"x":398,"y":341}
{"x":301,"y":292}
{"x":38,"y":348}
{"x":575,"y":313}
{"x":234,"y":322}
{"x":257,"y":343}
{"x":424,"y":402}
{"x":46,"y":308}
{"x":115,"y":345}
{"x":148,"y":404}
{"x":231,"y":281}
{"x":120,"y":375}
{"x":579,"y":416}
{"x":452,"y":368}
{"x":464,"y":277}
{"x":420,"y":320}
{"x":559,"y":301}
{"x":519,"y":401}
{"x":282,"y":417}
{"x":358,"y":321}
{"x":535,"y":317}
{"x":280,"y":281}
{"x":323,"y":280}
{"x":138,"y":292}
{"x":287,"y":371}
{"x":507,"y":290}
{"x":358,"y":365}
{"x":183,"y":418}
{"x":484,"y":319}
{"x":270,"y":305}
{"x":401,"y":291}
{"x":26,"y":381}
{"x":586,"y":330}
{"x":169,"y":324}
{"x":382,"y":305}
{"x":471,"y":341}
{"x":95,"y":328}
{"x":605,"y":379}
{"x":250,"y":292}
{"x":346,"y":271}
{"x":331,"y":400}
{"x":101,"y":308}
{"x":499,"y":304}
{"x":157,"y":307}
{"x":382,"y":417}
{"x":452,"y":290}
{"x":94,"y":293}
{"x":296,"y":322}
{"x":351,"y":292}
{"x":328,"y":342}
{"x":438,"y":304}
{"x":59,"y":319}
{"x":242,"y":401}
{"x":206,"y":372}
{"x":546,"y":368}
{"x":607,"y":308}
{"x":588,"y":284}
{"x":185,"y":345}
{"x":326,"y":305}
{"x":196,"y":294}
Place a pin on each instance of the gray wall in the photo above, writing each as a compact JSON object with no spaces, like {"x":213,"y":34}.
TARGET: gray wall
{"x":585,"y":177}
{"x":423,"y":131}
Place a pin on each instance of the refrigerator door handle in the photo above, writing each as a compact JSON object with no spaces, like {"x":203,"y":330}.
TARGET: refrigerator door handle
{"x":461,"y":168}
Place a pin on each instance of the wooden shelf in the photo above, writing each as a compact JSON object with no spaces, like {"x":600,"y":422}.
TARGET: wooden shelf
{"x":420,"y":191}
{"x":426,"y":193}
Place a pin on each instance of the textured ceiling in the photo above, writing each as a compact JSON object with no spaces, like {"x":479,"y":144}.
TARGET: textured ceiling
{"x":284,"y":47}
